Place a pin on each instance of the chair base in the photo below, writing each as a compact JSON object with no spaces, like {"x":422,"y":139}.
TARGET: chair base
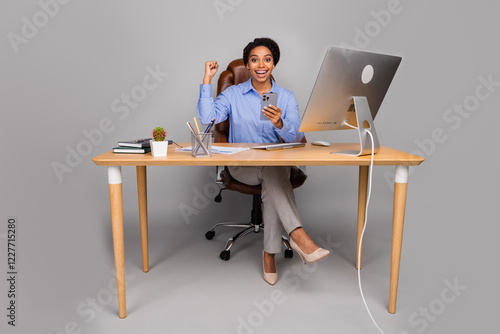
{"x":247,"y":229}
{"x":256,"y":225}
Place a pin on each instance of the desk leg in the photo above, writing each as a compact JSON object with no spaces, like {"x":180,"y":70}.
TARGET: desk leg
{"x":116,"y":204}
{"x":143,"y":214}
{"x":362,"y":189}
{"x":400,"y":187}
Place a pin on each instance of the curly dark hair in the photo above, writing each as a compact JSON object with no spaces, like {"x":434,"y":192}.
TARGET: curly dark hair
{"x":264,"y":41}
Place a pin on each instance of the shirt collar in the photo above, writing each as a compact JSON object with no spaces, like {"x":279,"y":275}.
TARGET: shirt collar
{"x":247,"y":86}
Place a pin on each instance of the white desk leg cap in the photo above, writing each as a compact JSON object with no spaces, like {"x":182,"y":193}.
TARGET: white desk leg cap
{"x":401,"y":174}
{"x":114,"y":174}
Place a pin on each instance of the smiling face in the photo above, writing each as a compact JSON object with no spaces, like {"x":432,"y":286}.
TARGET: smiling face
{"x":260,"y":64}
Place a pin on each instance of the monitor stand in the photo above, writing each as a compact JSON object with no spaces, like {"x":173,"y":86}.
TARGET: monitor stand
{"x":365,"y":121}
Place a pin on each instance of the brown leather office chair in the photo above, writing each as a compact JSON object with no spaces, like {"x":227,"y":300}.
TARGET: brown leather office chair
{"x":237,"y":73}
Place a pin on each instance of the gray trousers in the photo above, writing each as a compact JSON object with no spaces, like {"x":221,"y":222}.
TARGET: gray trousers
{"x":280,"y":209}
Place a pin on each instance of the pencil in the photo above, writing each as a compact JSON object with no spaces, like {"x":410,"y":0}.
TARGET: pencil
{"x":196,"y":123}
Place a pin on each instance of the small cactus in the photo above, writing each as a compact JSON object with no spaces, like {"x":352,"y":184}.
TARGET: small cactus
{"x":159,"y":134}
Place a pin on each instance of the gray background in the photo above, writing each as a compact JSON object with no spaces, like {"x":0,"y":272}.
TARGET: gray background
{"x":63,"y":80}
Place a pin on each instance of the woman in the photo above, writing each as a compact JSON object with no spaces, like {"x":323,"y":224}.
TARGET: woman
{"x":242,"y":104}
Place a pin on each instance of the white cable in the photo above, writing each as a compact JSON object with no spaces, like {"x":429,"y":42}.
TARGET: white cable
{"x":364,"y":227}
{"x":349,"y":125}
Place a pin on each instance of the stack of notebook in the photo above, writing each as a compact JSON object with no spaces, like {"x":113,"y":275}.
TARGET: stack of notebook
{"x":133,"y":146}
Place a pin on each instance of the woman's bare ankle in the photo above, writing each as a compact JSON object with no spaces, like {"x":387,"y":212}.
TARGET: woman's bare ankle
{"x":269,"y":263}
{"x":306,"y":244}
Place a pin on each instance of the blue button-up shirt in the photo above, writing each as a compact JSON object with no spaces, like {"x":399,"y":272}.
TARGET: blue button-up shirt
{"x":241,"y":104}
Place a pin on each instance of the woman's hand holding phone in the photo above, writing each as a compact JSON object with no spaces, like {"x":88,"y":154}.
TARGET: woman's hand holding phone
{"x":270,"y":112}
{"x":273,"y":113}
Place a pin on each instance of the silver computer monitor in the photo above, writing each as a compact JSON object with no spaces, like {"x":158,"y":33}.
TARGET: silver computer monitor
{"x":345,"y":75}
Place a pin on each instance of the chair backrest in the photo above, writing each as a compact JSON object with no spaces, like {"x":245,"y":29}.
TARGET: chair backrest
{"x":235,"y":74}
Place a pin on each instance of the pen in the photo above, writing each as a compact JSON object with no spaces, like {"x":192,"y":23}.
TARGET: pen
{"x":209,"y":126}
{"x":190,"y":127}
{"x":177,"y":144}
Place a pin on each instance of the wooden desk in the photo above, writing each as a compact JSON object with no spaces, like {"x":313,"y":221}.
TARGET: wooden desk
{"x":307,"y":156}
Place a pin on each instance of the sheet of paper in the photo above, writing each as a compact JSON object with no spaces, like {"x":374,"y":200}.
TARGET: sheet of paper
{"x":218,"y":149}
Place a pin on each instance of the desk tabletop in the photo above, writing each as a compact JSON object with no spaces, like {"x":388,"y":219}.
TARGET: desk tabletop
{"x":308,"y":155}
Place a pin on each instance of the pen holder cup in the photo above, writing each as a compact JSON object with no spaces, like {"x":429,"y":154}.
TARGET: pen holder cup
{"x":201,"y":145}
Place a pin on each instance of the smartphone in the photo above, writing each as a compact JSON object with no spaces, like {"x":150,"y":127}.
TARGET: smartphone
{"x":267,"y":99}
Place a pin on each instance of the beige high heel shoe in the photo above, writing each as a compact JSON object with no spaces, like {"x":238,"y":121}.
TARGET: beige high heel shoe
{"x":318,"y":254}
{"x":270,"y":278}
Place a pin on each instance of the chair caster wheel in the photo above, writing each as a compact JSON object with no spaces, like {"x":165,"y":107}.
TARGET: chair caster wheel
{"x":225,"y":255}
{"x":209,"y":235}
{"x":288,"y":253}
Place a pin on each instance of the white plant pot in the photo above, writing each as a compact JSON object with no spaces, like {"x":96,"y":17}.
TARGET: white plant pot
{"x":159,"y":148}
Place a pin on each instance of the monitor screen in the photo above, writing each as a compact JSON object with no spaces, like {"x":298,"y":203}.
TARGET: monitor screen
{"x":346,"y":73}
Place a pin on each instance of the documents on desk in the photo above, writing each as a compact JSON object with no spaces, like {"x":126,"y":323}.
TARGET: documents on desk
{"x":218,"y":149}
